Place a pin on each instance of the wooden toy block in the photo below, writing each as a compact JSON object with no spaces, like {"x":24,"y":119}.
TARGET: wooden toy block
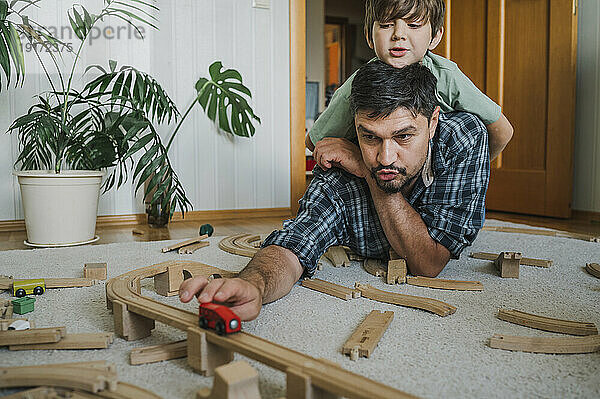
{"x":333,"y":289}
{"x":232,"y":381}
{"x":396,"y":269}
{"x":72,"y":341}
{"x":158,"y":353}
{"x":203,"y":356}
{"x":299,"y":386}
{"x":547,"y":323}
{"x":443,"y":284}
{"x":184,"y":243}
{"x":23,"y":305}
{"x":32,"y":336}
{"x":131,"y":326}
{"x":587,"y":344}
{"x":138,"y":232}
{"x":95,"y":271}
{"x":190,"y":249}
{"x":429,"y":304}
{"x":367,"y":335}
{"x":508,"y":263}
{"x":337,"y":256}
{"x":167,"y":283}
{"x":593,"y":269}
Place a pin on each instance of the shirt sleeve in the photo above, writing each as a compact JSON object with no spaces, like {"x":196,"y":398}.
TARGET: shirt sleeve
{"x":337,"y":119}
{"x":459,"y":93}
{"x":454,"y":208}
{"x":319,"y":225}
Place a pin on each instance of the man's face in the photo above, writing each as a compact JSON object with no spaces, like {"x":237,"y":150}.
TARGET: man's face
{"x":394,"y":148}
{"x":402,"y":42}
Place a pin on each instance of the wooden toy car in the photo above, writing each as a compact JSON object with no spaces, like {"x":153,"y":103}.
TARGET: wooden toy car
{"x":28,"y":287}
{"x":219,"y":318}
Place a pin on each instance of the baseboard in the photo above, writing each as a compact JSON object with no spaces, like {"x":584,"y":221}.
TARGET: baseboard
{"x":588,"y":216}
{"x":193,"y":216}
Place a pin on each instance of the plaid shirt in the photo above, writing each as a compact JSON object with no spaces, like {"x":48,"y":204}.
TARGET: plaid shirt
{"x":337,"y":208}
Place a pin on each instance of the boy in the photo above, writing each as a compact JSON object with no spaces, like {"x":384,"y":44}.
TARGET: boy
{"x":402,"y":32}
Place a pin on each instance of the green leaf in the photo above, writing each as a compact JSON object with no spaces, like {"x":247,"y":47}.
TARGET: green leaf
{"x":139,"y":145}
{"x":112,"y":64}
{"x":3,"y":10}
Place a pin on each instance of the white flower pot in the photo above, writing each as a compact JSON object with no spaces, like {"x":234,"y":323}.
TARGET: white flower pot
{"x":60,"y":209}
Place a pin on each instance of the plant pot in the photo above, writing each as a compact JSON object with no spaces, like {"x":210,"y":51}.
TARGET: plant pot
{"x":60,"y":208}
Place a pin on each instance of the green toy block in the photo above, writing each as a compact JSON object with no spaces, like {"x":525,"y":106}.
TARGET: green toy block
{"x":23,"y":305}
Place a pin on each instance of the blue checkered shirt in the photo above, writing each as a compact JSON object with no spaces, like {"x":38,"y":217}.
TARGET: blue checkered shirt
{"x":337,"y":208}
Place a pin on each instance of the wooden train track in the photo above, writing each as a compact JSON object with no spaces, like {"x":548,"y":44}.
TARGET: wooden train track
{"x":429,"y":304}
{"x":587,"y":344}
{"x":241,"y":244}
{"x":326,"y":287}
{"x":367,"y":335}
{"x":6,"y":282}
{"x":523,"y":261}
{"x":593,"y":269}
{"x":443,"y":284}
{"x":96,"y":379}
{"x":549,"y":233}
{"x":547,"y":323}
{"x":124,"y":297}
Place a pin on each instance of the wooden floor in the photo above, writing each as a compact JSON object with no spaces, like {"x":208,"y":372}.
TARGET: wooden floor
{"x":185,"y":229}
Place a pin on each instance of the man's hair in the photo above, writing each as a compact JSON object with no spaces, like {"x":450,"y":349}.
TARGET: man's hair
{"x":389,"y":10}
{"x":380,"y":89}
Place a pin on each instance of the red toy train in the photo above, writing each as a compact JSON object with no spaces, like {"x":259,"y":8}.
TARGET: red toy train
{"x":219,"y":318}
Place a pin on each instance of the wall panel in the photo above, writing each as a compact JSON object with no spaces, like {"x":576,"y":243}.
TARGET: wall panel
{"x":218,"y":171}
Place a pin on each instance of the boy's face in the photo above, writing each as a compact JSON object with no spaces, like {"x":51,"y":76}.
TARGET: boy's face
{"x":394,"y":148}
{"x":402,"y":42}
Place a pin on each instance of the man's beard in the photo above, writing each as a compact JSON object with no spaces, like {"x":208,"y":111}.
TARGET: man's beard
{"x":393,"y":186}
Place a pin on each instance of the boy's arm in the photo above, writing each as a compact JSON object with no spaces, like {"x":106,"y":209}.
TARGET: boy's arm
{"x":500,"y":133}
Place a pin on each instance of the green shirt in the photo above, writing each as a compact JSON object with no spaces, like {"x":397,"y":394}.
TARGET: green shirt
{"x":455,"y":92}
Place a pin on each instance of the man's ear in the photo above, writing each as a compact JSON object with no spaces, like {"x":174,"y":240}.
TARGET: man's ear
{"x":436,"y":39}
{"x":433,"y":122}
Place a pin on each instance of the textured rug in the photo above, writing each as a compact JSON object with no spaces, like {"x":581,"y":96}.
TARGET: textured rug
{"x":420,"y":353}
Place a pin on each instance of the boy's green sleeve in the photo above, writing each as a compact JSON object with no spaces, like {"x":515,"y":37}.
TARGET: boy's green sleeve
{"x":456,"y":92}
{"x":337,"y":119}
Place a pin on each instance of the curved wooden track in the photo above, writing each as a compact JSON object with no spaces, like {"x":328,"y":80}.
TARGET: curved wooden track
{"x":97,"y":378}
{"x":241,"y":244}
{"x":323,"y":374}
{"x":593,"y":269}
{"x":443,"y":284}
{"x":429,"y":304}
{"x":547,"y":323}
{"x":587,"y":344}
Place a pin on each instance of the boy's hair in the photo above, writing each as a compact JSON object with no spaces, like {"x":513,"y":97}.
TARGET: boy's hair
{"x":381,"y":89}
{"x":389,"y":10}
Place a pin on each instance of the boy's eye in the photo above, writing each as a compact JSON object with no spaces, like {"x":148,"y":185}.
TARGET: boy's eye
{"x":385,"y":26}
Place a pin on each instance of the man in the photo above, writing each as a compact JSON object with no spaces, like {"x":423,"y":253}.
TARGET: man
{"x":422,"y":192}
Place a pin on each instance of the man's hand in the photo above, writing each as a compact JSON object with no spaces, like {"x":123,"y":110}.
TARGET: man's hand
{"x":333,"y":151}
{"x":243,"y":297}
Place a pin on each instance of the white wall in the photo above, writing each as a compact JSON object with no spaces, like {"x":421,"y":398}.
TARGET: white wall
{"x":315,"y":46}
{"x":217,"y":171}
{"x":586,"y":183}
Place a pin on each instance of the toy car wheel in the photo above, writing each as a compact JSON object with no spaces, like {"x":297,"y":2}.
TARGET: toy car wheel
{"x":202,"y":322}
{"x":220,"y":328}
{"x":38,"y":290}
{"x":20,"y":293}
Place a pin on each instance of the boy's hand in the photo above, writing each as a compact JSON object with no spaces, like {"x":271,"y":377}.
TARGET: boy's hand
{"x":333,"y":151}
{"x":243,"y":297}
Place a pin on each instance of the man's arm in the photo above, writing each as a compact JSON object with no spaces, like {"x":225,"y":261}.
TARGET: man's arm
{"x":407,"y":233}
{"x":500,"y":133}
{"x":269,"y":276}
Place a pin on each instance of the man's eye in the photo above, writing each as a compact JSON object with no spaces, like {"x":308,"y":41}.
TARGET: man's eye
{"x":403,"y":137}
{"x":368,"y":137}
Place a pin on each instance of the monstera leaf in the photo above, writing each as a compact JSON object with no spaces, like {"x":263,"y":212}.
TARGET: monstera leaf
{"x":222,"y":96}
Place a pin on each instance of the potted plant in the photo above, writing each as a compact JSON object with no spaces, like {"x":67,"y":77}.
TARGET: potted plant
{"x":70,"y":136}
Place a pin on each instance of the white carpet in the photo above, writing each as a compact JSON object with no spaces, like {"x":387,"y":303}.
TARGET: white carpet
{"x":421,"y":353}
